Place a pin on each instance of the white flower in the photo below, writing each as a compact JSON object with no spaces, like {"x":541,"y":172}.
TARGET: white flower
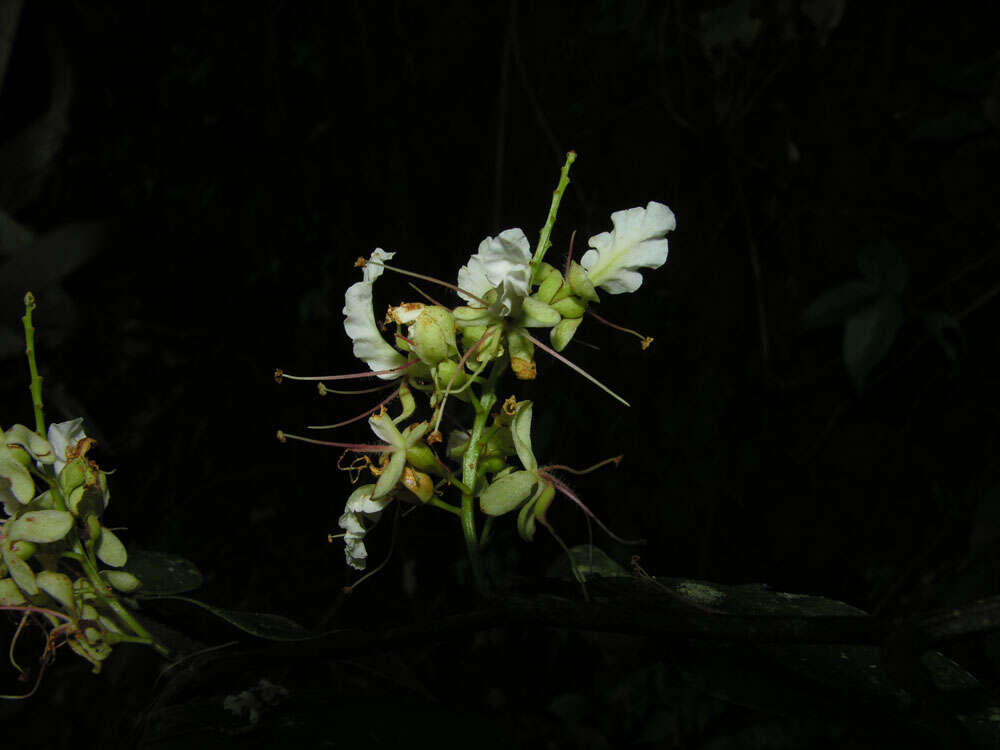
{"x":359,"y":322}
{"x":637,"y":241}
{"x":502,"y":264}
{"x":362,"y":512}
{"x":64,"y":438}
{"x":383,"y":426}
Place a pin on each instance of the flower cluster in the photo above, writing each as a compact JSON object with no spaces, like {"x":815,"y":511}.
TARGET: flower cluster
{"x":460,"y":354}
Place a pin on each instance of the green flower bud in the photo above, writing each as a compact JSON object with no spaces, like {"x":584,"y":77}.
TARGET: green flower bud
{"x":42,"y":526}
{"x":446,"y":370}
{"x":10,"y":594}
{"x":19,"y":570}
{"x":418,"y":483}
{"x":420,"y":456}
{"x":30,"y":446}
{"x":433,"y":335}
{"x":570,"y":307}
{"x":16,"y":486}
{"x":121,"y":580}
{"x":110,"y":549}
{"x":561,"y":334}
{"x":492,"y":464}
{"x":522,"y":353}
{"x":59,"y":587}
{"x":507,"y":492}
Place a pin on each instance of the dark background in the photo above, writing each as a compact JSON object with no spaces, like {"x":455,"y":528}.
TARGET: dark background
{"x":198,"y":179}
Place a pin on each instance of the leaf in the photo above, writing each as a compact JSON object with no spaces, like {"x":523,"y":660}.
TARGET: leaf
{"x":883,"y":265}
{"x":588,"y":560}
{"x":938,"y":324}
{"x":868,"y":336}
{"x":163,"y":574}
{"x":838,"y":304}
{"x":261,"y":624}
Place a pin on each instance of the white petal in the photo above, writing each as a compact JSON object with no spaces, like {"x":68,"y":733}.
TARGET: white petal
{"x":502,"y":263}
{"x":374,"y":268}
{"x":63,"y":435}
{"x":361,"y":501}
{"x":355,"y":552}
{"x":638,"y":241}
{"x":359,"y":322}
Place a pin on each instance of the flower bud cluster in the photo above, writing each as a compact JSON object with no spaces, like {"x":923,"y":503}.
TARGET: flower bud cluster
{"x":52,"y":538}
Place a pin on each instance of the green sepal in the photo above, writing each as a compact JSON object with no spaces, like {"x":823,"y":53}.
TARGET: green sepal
{"x":508,"y":492}
{"x":570,"y":307}
{"x":562,"y":334}
{"x":471,"y":335}
{"x":444,"y":373}
{"x":537,"y":314}
{"x":406,"y":401}
{"x":581,"y":284}
{"x":41,"y":526}
{"x":471,"y":316}
{"x":551,"y":283}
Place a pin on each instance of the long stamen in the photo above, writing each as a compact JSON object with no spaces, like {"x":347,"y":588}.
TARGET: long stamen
{"x":323,"y":390}
{"x":375,"y":408}
{"x":431,"y":279}
{"x":645,"y":340}
{"x":352,"y":447}
{"x":561,"y":467}
{"x":425,"y":295}
{"x":563,"y":488}
{"x":578,"y":369}
{"x":280,"y":374}
{"x":580,"y":578}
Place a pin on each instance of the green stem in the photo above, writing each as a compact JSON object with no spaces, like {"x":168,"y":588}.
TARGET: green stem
{"x":438,"y":503}
{"x":112,"y":603}
{"x":544,"y":243}
{"x":29,"y":349}
{"x":470,"y":473}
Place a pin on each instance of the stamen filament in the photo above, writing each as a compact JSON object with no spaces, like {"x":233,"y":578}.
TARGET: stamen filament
{"x":425,"y":295}
{"x":646,"y":340}
{"x":280,"y":374}
{"x":352,"y":447}
{"x":323,"y":390}
{"x":572,"y":366}
{"x":461,"y":365}
{"x":375,"y":408}
{"x":561,"y":467}
{"x":563,"y":488}
{"x":569,"y":254}
{"x":431,"y":279}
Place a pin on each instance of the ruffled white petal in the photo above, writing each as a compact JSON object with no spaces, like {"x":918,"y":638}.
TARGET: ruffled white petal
{"x":359,"y":322}
{"x":63,"y":436}
{"x":502,"y":263}
{"x":638,"y":241}
{"x":360,"y":515}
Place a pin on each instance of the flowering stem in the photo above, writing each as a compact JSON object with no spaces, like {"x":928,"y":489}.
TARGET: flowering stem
{"x":470,"y":473}
{"x":29,"y":349}
{"x":544,"y":243}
